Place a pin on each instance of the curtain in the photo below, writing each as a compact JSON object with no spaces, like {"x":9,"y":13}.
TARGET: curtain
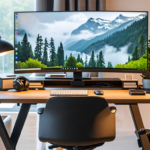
{"x":70,"y":5}
{"x":44,"y":5}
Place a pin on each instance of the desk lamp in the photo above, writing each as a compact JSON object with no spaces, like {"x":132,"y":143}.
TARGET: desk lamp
{"x":5,"y":49}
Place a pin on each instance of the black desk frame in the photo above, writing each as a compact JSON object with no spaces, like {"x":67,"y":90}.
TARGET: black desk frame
{"x":10,"y":143}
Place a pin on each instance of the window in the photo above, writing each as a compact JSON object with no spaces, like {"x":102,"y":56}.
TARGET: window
{"x":7,"y":9}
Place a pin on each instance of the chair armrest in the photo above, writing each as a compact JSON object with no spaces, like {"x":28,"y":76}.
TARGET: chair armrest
{"x":113,"y":109}
{"x":40,"y":111}
{"x":7,"y":119}
{"x":143,"y":131}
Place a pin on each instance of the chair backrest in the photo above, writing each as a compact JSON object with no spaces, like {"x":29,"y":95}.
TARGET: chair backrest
{"x":76,"y":121}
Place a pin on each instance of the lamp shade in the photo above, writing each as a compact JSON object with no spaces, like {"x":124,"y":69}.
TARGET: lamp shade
{"x":5,"y":47}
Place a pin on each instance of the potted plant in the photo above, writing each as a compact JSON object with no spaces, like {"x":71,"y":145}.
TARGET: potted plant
{"x":146,"y":76}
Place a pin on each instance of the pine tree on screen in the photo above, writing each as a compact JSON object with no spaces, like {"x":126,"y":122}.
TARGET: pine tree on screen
{"x":135,"y":54}
{"x":110,"y":65}
{"x":52,"y":52}
{"x":19,"y":51}
{"x":61,"y":55}
{"x":142,"y":45}
{"x":66,"y":59}
{"x":56,"y":60}
{"x":53,"y":55}
{"x":78,"y":58}
{"x":25,"y":49}
{"x":101,"y":60}
{"x":92,"y":62}
{"x":40,"y":48}
{"x":45,"y":56}
{"x":36,"y":51}
{"x":97,"y":61}
{"x":81,"y":60}
{"x":86,"y":61}
{"x":31,"y":52}
{"x":129,"y":59}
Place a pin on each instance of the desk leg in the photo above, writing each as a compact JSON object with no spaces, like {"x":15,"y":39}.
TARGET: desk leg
{"x":19,"y":123}
{"x":4,"y":136}
{"x":138,"y":123}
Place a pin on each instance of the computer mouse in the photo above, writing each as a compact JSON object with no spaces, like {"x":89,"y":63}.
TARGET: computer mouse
{"x":99,"y":92}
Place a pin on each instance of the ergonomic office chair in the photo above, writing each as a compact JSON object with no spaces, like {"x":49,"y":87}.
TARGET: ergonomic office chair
{"x":77,"y":122}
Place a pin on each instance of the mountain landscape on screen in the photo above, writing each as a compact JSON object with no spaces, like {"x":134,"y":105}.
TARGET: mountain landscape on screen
{"x":92,"y":42}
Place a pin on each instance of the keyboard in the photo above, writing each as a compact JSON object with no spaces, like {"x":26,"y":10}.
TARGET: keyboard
{"x":69,"y":93}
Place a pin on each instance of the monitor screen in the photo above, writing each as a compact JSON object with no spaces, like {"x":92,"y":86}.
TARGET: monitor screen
{"x":89,"y":41}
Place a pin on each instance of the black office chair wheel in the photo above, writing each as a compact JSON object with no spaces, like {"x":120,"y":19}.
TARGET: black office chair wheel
{"x":139,"y":143}
{"x":52,"y":146}
{"x":56,"y":146}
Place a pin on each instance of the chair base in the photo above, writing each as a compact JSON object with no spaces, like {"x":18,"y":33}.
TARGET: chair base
{"x":76,"y":147}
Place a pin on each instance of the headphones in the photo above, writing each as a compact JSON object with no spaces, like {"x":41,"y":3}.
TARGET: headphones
{"x":21,"y":84}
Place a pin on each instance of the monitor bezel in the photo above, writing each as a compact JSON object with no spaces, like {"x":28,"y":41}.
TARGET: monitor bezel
{"x":80,"y":69}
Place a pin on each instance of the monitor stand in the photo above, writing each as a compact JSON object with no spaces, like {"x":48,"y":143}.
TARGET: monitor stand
{"x":43,"y":75}
{"x":61,"y":75}
{"x":77,"y":77}
{"x":77,"y":80}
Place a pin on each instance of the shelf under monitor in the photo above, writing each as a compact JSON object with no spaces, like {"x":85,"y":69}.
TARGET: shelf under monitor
{"x":89,"y":83}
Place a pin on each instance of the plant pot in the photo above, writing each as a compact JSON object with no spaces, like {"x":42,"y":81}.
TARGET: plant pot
{"x":146,"y":84}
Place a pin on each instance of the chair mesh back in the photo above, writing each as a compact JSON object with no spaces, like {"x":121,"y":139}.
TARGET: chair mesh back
{"x":76,"y":121}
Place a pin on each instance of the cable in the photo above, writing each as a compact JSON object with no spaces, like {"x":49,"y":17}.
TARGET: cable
{"x":103,"y":84}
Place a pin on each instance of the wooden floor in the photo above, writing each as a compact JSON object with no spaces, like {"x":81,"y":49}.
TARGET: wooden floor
{"x":28,"y":136}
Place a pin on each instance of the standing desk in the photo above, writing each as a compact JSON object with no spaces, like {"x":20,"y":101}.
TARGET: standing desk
{"x":118,"y":97}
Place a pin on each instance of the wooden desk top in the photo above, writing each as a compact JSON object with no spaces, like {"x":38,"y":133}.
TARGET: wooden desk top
{"x":41,"y":96}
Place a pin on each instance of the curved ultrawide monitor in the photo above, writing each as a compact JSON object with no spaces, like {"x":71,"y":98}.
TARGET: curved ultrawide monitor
{"x":81,"y":41}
